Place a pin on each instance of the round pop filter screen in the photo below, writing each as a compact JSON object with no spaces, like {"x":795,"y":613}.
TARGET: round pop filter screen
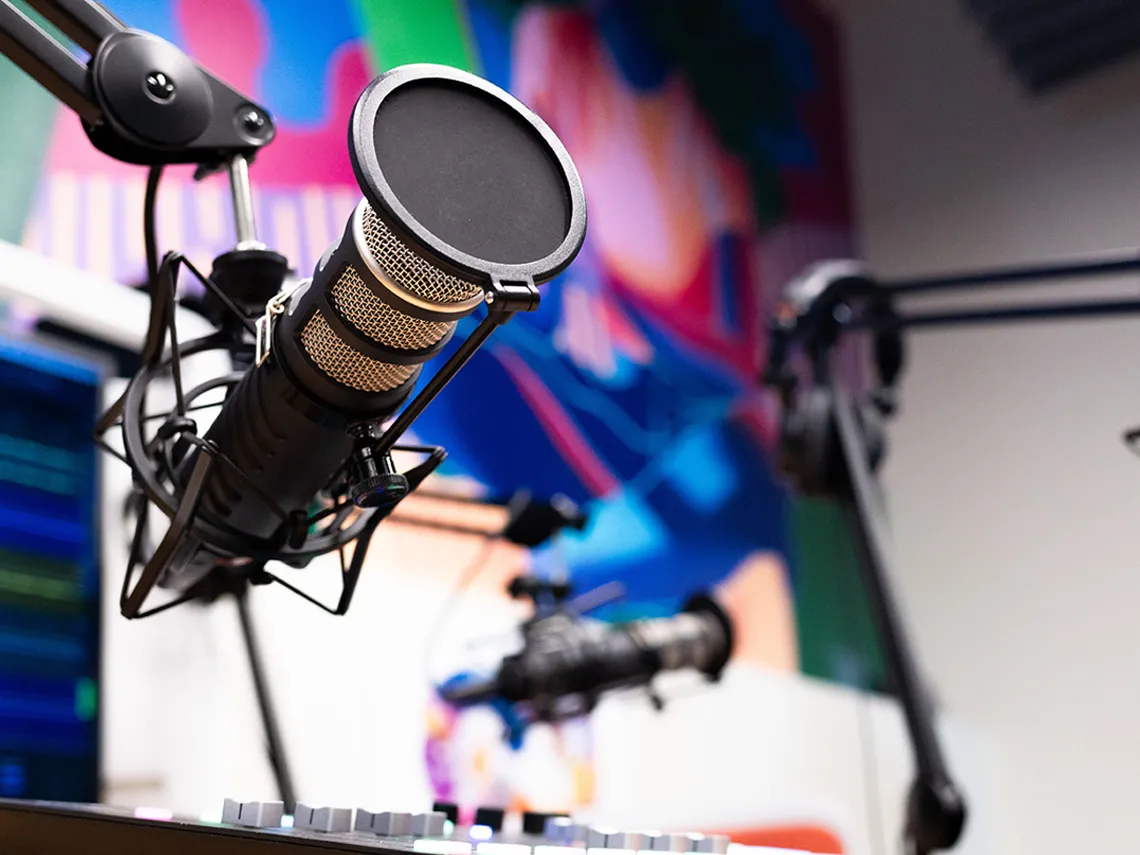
{"x":466,"y":175}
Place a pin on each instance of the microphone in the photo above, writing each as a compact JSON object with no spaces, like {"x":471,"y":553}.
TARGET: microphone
{"x":340,"y":355}
{"x":566,"y":663}
{"x":469,"y":199}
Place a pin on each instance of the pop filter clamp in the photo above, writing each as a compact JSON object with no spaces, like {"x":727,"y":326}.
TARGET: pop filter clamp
{"x":832,"y":443}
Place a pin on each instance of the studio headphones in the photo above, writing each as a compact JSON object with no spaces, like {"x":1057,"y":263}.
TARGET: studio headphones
{"x":827,"y":299}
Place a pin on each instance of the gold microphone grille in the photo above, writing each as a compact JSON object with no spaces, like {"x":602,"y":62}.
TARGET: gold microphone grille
{"x":337,"y":359}
{"x":370,"y":315}
{"x":408,"y":270}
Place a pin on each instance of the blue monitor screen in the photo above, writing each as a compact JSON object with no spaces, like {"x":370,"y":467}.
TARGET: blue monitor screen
{"x":49,"y":575}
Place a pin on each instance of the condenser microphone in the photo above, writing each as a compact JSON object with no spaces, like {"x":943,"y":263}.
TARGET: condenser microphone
{"x":467,"y":195}
{"x":567,"y":663}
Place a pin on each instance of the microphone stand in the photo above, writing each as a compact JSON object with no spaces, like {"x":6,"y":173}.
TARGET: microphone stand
{"x":936,"y":811}
{"x":236,"y":582}
{"x":831,"y":445}
{"x":275,"y":746}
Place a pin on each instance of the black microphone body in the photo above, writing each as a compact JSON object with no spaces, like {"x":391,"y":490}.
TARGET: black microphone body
{"x":565,"y":658}
{"x":340,"y":354}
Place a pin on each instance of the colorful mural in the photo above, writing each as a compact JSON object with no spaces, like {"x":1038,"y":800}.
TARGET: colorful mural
{"x":710,"y":140}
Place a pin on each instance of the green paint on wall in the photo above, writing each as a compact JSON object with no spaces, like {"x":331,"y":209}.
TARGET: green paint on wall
{"x":837,"y":635}
{"x":27,"y":113}
{"x":403,"y":31}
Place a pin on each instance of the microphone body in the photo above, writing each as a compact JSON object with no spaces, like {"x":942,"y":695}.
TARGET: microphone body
{"x":347,"y":348}
{"x":567,"y":660}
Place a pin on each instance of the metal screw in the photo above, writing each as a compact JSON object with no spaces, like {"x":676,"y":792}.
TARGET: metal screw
{"x":160,"y":86}
{"x":490,"y":298}
{"x":252,"y":121}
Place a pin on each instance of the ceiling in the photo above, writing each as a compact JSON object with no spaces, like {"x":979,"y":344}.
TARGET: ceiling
{"x":1050,"y":43}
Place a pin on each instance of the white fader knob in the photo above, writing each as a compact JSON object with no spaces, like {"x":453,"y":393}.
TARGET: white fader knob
{"x":716,"y":844}
{"x":558,"y":829}
{"x":253,"y":814}
{"x":597,"y":836}
{"x":389,"y":823}
{"x":672,"y":843}
{"x":634,"y":840}
{"x":325,"y":819}
{"x":392,"y":824}
{"x":428,"y":824}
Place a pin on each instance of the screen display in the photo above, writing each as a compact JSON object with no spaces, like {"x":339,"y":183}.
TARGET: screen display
{"x":49,"y":575}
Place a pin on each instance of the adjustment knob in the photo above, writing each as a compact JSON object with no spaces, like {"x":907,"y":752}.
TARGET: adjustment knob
{"x":379,"y":491}
{"x":152,"y":89}
{"x":490,"y":817}
{"x":373,"y":481}
{"x":535,"y":822}
{"x":448,"y":809}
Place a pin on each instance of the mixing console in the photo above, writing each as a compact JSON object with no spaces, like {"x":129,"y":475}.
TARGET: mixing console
{"x":262,"y":828}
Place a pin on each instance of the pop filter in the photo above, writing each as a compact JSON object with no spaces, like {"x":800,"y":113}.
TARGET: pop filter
{"x":467,"y":175}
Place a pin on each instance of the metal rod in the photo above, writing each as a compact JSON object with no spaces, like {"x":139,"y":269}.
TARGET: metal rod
{"x":1005,"y":314}
{"x":934,"y":821}
{"x":83,"y":21}
{"x":274,"y":745}
{"x":242,"y":196}
{"x":46,"y":61}
{"x":1028,"y":275}
{"x":435,"y":385}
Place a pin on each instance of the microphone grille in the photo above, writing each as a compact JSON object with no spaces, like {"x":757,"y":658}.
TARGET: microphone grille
{"x":371,"y":316}
{"x":340,"y":361}
{"x":410,"y":271}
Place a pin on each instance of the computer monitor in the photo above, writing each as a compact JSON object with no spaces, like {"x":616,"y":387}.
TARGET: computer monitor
{"x":49,"y":573}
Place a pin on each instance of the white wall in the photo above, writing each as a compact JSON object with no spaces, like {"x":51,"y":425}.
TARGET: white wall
{"x":1013,"y":501}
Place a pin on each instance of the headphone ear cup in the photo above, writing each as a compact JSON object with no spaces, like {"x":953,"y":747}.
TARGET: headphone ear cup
{"x":811,"y":455}
{"x":809,"y":445}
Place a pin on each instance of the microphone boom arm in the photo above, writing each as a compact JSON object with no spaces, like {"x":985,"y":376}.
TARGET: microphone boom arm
{"x":125,"y":92}
{"x":46,"y":61}
{"x":844,"y":446}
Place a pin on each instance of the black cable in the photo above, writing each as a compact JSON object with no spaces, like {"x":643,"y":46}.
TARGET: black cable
{"x":150,"y":231}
